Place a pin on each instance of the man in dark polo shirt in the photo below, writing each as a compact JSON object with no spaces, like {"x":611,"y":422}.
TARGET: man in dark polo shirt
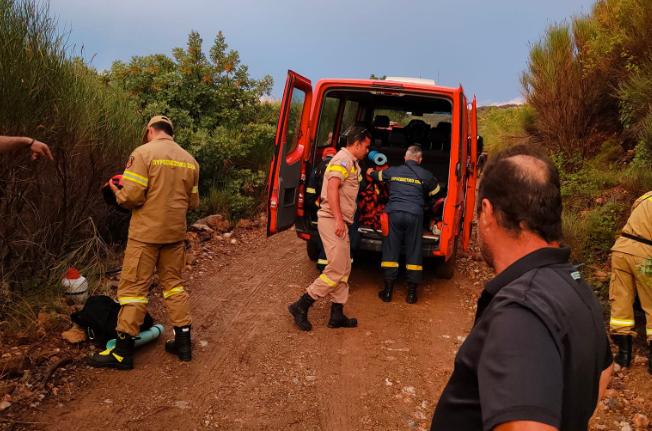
{"x":538,"y":356}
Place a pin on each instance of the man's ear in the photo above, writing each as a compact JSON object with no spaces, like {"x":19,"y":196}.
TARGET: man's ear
{"x":420,"y":159}
{"x":488,"y":211}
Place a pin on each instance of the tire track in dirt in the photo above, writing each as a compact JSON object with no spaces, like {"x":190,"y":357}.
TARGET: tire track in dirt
{"x":253,"y":369}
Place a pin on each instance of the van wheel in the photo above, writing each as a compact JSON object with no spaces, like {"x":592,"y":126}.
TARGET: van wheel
{"x":446,"y":269}
{"x":313,"y":250}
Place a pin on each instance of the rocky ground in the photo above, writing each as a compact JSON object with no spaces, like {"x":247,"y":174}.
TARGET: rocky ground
{"x":252,"y":369}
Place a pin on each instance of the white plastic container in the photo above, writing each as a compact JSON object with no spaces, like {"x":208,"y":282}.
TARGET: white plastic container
{"x":76,"y":286}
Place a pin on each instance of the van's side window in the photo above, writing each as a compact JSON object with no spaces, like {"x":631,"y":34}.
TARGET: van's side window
{"x":293,"y":131}
{"x":327,"y":121}
{"x":350,"y":115}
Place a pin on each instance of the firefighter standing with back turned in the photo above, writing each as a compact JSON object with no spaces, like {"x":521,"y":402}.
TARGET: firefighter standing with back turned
{"x":630,"y":251}
{"x":409,"y":184}
{"x":160,"y":185}
{"x":339,"y":202}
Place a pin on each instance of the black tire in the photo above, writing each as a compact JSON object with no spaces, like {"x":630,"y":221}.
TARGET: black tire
{"x":313,"y":249}
{"x":446,"y":269}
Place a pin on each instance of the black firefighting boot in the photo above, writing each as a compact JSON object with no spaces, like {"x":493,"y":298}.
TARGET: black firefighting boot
{"x":299,"y":310}
{"x":338,"y":319}
{"x":649,"y":360}
{"x":412,"y":293}
{"x":624,"y":355}
{"x":386,"y":293}
{"x":120,"y":357}
{"x":181,"y":345}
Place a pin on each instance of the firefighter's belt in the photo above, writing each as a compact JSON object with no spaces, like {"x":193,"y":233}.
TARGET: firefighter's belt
{"x":638,"y":239}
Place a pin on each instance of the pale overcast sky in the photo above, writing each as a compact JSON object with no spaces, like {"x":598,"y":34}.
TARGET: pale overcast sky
{"x":482,"y":44}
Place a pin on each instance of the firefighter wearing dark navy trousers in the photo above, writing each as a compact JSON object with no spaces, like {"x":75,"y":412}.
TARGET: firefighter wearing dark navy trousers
{"x":159,"y":185}
{"x":313,"y":191}
{"x":409,"y":185}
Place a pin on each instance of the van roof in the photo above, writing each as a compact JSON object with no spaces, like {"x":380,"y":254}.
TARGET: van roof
{"x":374,"y":83}
{"x":421,"y":81}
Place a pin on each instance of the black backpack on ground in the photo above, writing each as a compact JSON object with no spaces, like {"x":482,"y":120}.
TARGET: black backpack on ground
{"x":99,"y":318}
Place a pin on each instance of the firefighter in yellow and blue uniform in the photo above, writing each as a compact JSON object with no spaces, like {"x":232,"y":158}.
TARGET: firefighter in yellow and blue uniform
{"x":159,"y":186}
{"x":409,"y":185}
{"x":629,"y":253}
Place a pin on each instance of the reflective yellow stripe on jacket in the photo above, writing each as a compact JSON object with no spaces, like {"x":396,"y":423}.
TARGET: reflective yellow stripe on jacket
{"x":138,"y":179}
{"x":339,"y":169}
{"x":434,"y":192}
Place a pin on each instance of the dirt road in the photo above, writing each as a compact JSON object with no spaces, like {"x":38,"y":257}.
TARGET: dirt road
{"x":253,"y":369}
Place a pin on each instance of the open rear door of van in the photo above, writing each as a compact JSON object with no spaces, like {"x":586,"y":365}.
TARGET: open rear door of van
{"x":291,"y":141}
{"x":472,"y":176}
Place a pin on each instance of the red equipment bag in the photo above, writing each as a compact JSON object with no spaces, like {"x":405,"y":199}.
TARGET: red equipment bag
{"x":384,"y":224}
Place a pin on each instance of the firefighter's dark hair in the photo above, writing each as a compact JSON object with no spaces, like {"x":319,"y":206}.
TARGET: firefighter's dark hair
{"x":357,"y":134}
{"x":162,"y":126}
{"x":522,"y":185}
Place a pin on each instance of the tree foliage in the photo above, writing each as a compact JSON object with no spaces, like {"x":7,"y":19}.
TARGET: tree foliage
{"x":591,"y":79}
{"x":217,"y":112}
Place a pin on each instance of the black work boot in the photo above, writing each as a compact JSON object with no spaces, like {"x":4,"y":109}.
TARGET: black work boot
{"x":338,"y":319}
{"x":412,"y":293}
{"x":386,"y":293}
{"x":299,"y":310}
{"x":181,"y":345}
{"x":120,"y":357}
{"x":624,"y":355}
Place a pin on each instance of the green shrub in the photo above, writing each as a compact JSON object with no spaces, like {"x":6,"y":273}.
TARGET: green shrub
{"x":50,"y":212}
{"x":503,"y":127}
{"x":218,"y":115}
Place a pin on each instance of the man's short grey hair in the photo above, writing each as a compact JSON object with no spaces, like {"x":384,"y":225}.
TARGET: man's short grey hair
{"x":414,"y":153}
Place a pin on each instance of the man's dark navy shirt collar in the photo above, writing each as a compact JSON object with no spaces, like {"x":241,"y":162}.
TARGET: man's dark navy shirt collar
{"x":410,"y":161}
{"x":536,"y":259}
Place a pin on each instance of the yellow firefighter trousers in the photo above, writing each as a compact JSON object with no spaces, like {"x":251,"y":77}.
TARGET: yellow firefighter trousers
{"x":335,"y":278}
{"x":137,"y":272}
{"x":626,"y":282}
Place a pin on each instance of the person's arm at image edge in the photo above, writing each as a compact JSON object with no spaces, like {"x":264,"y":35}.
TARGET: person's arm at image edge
{"x":12,"y":143}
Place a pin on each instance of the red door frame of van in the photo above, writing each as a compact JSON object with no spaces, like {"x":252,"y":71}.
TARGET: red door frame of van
{"x":294,"y":81}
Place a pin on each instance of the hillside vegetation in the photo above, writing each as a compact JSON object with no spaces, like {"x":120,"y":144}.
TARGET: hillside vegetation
{"x":588,"y":91}
{"x":52,"y":214}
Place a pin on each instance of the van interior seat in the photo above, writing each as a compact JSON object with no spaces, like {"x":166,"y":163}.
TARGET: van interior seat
{"x":437,"y":140}
{"x":397,"y":138}
{"x":381,"y":128}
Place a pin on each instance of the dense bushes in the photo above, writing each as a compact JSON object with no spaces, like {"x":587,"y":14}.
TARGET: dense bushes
{"x":218,"y":116}
{"x":52,"y":212}
{"x":591,"y":79}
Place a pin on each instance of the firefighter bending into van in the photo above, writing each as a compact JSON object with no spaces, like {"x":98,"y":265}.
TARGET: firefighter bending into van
{"x":409,"y":184}
{"x":159,"y":185}
{"x":339,"y":196}
{"x":630,"y":251}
